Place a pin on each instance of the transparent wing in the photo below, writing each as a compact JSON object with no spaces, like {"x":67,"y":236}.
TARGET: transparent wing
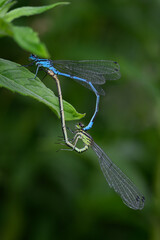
{"x":97,"y":87}
{"x":95,"y":71}
{"x":119,"y":181}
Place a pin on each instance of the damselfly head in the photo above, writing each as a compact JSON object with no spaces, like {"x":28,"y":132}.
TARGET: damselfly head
{"x":79,"y":125}
{"x":33,"y":57}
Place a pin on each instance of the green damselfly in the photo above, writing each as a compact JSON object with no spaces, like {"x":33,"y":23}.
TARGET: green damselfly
{"x":116,"y":179}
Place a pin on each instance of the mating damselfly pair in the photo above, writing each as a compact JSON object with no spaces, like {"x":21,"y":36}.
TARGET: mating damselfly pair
{"x":89,"y":73}
{"x":83,"y":71}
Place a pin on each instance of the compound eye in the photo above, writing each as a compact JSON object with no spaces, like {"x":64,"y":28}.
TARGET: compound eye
{"x":33,"y":56}
{"x":81,"y":125}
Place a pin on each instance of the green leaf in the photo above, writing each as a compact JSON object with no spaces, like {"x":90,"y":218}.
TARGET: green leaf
{"x":5,"y":28}
{"x":4,"y":9}
{"x":2,"y":2}
{"x":28,"y":39}
{"x":19,"y":79}
{"x":28,"y":11}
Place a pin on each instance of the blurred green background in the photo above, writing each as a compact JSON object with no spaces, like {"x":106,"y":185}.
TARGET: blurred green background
{"x":45,"y":194}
